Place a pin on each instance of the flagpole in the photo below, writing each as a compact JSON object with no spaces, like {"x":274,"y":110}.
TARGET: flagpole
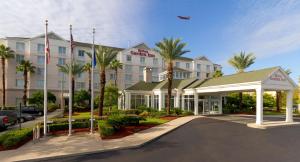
{"x":92,"y":83}
{"x":70,"y":83}
{"x":45,"y":80}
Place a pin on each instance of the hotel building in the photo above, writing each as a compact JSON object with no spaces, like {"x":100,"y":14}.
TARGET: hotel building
{"x":134,"y":60}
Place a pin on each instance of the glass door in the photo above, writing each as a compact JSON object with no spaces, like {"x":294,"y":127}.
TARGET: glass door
{"x":200,"y":107}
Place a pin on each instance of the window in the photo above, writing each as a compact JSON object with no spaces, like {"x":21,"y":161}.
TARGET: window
{"x":128,"y":77}
{"x":208,"y":68}
{"x":187,"y":65}
{"x":96,"y":85}
{"x":80,"y":75}
{"x":198,"y":74}
{"x":189,"y":103}
{"x":155,"y":61}
{"x":41,"y":60}
{"x":62,"y":51}
{"x":61,"y":84}
{"x":156,"y":102}
{"x":128,"y":68}
{"x":112,"y":76}
{"x":61,"y":61}
{"x":154,"y":71}
{"x":172,"y":101}
{"x":41,"y":48}
{"x":81,"y":53}
{"x":20,"y":83}
{"x":128,"y":58}
{"x":40,"y":71}
{"x":137,"y":100}
{"x":40,"y":83}
{"x":207,"y":75}
{"x":80,"y":85}
{"x":20,"y":46}
{"x":19,"y":58}
{"x":198,"y":66}
{"x":141,"y":69}
{"x":62,"y":75}
{"x":141,"y":77}
{"x":142,"y":60}
{"x":177,"y":64}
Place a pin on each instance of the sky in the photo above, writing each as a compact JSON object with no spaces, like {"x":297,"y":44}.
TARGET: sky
{"x":218,"y":29}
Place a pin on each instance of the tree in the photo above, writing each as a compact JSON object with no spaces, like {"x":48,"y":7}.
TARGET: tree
{"x":81,"y":97}
{"x":111,"y":96}
{"x":26,"y":67}
{"x":279,"y":94}
{"x":5,"y":54}
{"x":76,"y":70}
{"x":88,"y":68}
{"x":241,"y":62}
{"x":104,"y":55}
{"x":115,"y":65}
{"x":170,"y":49}
{"x":218,"y":73}
{"x":37,"y":98}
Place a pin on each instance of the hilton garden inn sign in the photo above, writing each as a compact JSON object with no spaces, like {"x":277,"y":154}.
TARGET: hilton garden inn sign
{"x":206,"y":96}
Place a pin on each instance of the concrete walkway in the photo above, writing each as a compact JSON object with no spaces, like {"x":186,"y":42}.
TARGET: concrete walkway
{"x":84,"y":143}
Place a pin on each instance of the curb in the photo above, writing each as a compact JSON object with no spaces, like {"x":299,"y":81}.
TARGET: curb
{"x":108,"y":150}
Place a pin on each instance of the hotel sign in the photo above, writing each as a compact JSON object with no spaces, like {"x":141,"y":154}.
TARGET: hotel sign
{"x":277,"y":77}
{"x":141,"y":52}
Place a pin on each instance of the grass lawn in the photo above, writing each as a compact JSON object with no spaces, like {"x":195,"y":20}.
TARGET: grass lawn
{"x":80,"y":115}
{"x":153,"y":121}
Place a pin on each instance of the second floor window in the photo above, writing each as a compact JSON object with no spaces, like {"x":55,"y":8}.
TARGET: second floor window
{"x":20,"y":83}
{"x":177,"y":64}
{"x":62,"y":51}
{"x":40,"y":71}
{"x":20,"y":47}
{"x":41,"y":60}
{"x":41,"y":48}
{"x":128,"y":77}
{"x":142,"y":60}
{"x":128,"y":58}
{"x":40,"y":83}
{"x":155,"y":61}
{"x":19,"y":58}
{"x":128,"y":68}
{"x":198,"y":66}
{"x":81,"y":53}
{"x":61,"y":61}
{"x":208,"y":68}
{"x":187,"y":65}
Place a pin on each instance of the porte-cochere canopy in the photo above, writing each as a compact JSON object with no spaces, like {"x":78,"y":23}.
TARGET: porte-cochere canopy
{"x":205,"y":96}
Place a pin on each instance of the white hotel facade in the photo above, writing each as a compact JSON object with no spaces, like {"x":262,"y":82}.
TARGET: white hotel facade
{"x":134,"y":60}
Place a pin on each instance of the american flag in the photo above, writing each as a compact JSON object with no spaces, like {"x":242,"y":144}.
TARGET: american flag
{"x":72,"y":43}
{"x":47,"y":50}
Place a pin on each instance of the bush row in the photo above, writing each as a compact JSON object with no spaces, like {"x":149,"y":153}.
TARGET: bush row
{"x":14,"y":137}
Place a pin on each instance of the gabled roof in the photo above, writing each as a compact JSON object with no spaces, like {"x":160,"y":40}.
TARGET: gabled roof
{"x":185,"y":59}
{"x":202,"y":58}
{"x":143,"y":86}
{"x":51,"y":35}
{"x":89,"y":45}
{"x":141,"y":46}
{"x":244,"y":77}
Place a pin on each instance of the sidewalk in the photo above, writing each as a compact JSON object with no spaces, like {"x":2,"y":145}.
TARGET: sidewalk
{"x":84,"y":143}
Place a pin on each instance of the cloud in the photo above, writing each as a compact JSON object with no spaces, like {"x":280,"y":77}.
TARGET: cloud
{"x":116,"y":22}
{"x":266,"y":28}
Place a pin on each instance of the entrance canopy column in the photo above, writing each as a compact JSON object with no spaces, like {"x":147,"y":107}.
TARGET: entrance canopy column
{"x":259,"y":105}
{"x":196,"y":103}
{"x":289,"y":106}
{"x":177,"y":99}
{"x":160,"y":101}
{"x":127,"y":100}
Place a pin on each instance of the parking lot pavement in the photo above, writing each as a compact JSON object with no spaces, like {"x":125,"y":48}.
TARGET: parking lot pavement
{"x":31,"y":123}
{"x":210,"y":140}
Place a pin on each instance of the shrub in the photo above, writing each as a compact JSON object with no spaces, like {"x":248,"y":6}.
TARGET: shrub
{"x":65,"y":126}
{"x":119,"y":121}
{"x":144,"y":113}
{"x":133,"y":111}
{"x":177,"y":111}
{"x":81,"y":98}
{"x":52,"y":107}
{"x":105,"y":129}
{"x":14,"y":137}
{"x":187,"y":113}
{"x":132,"y":120}
{"x":37,"y":98}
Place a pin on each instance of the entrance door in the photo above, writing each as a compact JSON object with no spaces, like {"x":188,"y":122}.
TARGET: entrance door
{"x":206,"y":106}
{"x":200,"y":107}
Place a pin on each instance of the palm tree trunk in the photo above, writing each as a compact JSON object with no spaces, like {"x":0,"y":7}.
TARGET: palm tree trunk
{"x":116,"y":77}
{"x":3,"y":83}
{"x":240,"y":100}
{"x":170,"y":79}
{"x":278,"y":99}
{"x":90,"y":84}
{"x":73,"y":90}
{"x":25,"y":87}
{"x":102,"y":88}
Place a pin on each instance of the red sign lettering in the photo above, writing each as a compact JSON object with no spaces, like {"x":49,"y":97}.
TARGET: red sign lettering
{"x":142,"y":52}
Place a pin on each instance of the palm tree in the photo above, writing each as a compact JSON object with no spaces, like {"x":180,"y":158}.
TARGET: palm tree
{"x":88,"y":68}
{"x":5,"y":53}
{"x":26,"y":67}
{"x":240,"y":62}
{"x":170,"y":49}
{"x":218,"y":73}
{"x":278,"y":93}
{"x":104,"y":56}
{"x":76,"y":70}
{"x":115,"y":65}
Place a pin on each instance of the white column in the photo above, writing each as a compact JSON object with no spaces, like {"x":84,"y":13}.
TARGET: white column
{"x":177,"y":101}
{"x":160,"y":101}
{"x":220,"y":105}
{"x":196,"y":103}
{"x":182,"y":102}
{"x":289,"y":106}
{"x":259,"y":105}
{"x":152,"y":100}
{"x":127,"y":100}
{"x":147,"y":100}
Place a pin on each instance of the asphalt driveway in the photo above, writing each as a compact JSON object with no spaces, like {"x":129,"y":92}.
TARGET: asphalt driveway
{"x":211,"y":140}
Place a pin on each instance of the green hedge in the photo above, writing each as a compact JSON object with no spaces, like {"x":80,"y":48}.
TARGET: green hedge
{"x":105,"y":129}
{"x":65,"y":126}
{"x":14,"y":137}
{"x":119,"y":121}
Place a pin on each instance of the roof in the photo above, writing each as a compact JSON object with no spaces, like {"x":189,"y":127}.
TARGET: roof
{"x":202,"y":58}
{"x":251,"y":76}
{"x":180,"y":69}
{"x":89,"y":45}
{"x":185,"y":59}
{"x":141,"y":46}
{"x":177,"y":83}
